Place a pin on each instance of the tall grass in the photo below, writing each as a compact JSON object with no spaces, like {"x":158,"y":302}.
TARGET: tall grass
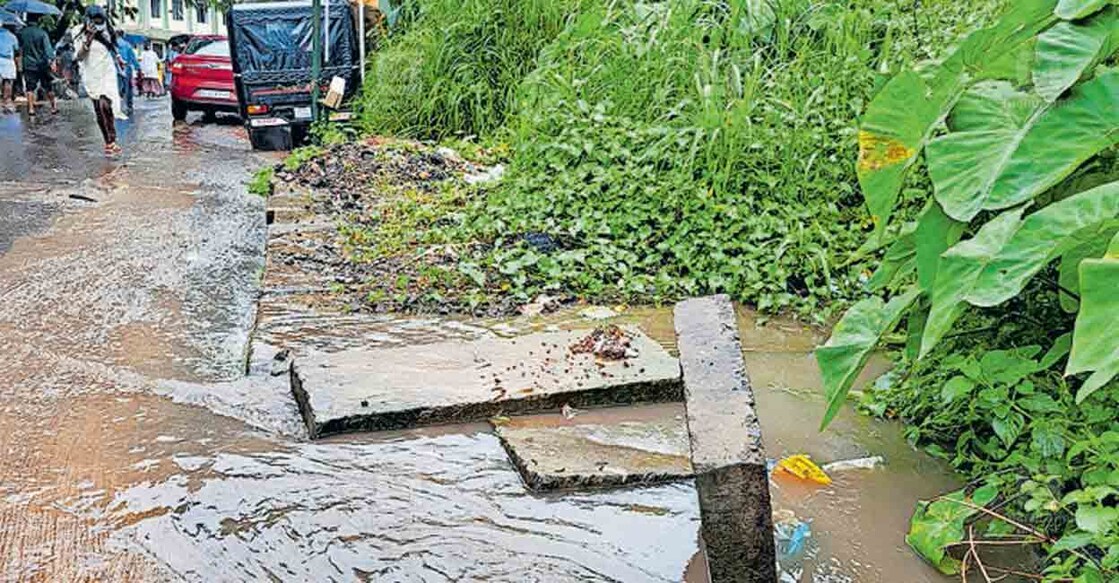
{"x":672,"y":148}
{"x":456,"y":68}
{"x":701,"y":146}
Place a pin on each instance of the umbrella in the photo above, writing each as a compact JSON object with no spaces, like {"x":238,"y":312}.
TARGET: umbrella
{"x":7,"y":18}
{"x":32,"y":7}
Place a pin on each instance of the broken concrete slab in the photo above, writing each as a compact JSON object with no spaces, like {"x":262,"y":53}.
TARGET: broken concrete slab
{"x":726,"y":441}
{"x":600,"y":448}
{"x":451,"y":382}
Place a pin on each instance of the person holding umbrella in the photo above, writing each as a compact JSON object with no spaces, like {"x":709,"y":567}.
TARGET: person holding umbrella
{"x":37,"y":56}
{"x":9,"y":46}
{"x":97,"y":55}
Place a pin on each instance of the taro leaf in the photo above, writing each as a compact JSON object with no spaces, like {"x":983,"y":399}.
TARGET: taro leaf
{"x":899,"y":258}
{"x":1042,"y":237}
{"x":893,"y":130}
{"x":851,"y":343}
{"x":902,"y":116}
{"x":959,"y":268}
{"x":987,"y":124}
{"x":1072,"y":131}
{"x":1069,"y":278}
{"x":1076,"y":9}
{"x":935,"y":233}
{"x":939,"y":523}
{"x":1068,"y":50}
{"x":1095,"y":344}
{"x":1007,"y":147}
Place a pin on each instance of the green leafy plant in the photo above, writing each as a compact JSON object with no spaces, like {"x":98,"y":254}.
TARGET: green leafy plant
{"x":261,"y":183}
{"x":1017,"y":130}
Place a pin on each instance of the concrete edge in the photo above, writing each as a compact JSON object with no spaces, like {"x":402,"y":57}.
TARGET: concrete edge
{"x":657,"y":391}
{"x":537,"y":482}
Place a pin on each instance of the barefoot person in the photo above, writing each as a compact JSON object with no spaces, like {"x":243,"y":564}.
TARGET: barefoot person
{"x":9,"y":45}
{"x":37,"y":56}
{"x":97,"y":56}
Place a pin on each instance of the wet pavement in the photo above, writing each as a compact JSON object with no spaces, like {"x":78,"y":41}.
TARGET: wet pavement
{"x":135,"y":448}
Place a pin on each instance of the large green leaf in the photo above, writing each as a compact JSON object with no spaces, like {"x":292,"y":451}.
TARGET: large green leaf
{"x":1042,"y":237}
{"x":1067,"y":50}
{"x":1007,"y":146}
{"x":959,"y":268}
{"x":988,"y":124}
{"x":851,"y":343}
{"x":895,"y":126}
{"x":898,"y":259}
{"x":935,"y":233}
{"x":1069,"y":277}
{"x":902,"y":116}
{"x":1076,"y":9}
{"x":1095,"y":343}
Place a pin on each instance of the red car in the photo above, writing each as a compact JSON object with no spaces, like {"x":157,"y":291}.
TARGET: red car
{"x":202,"y":78}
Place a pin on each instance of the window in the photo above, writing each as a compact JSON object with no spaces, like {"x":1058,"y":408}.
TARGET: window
{"x":157,"y":9}
{"x":201,"y":12}
{"x":208,"y":47}
{"x":177,"y":12}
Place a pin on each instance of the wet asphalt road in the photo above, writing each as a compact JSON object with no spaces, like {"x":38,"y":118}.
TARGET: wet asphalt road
{"x":128,"y":290}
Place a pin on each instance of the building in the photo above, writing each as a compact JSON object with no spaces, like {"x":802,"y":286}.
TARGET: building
{"x":159,"y":20}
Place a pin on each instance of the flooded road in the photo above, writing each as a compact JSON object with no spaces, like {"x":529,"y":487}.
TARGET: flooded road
{"x":129,"y":290}
{"x":135,"y":448}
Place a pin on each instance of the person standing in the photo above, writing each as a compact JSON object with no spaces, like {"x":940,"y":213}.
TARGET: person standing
{"x":127,"y":72}
{"x":9,"y":46}
{"x":98,"y":58}
{"x":172,"y":53}
{"x":149,"y":71}
{"x":37,"y":56}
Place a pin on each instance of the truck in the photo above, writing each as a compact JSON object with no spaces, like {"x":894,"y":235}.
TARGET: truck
{"x":270,"y":45}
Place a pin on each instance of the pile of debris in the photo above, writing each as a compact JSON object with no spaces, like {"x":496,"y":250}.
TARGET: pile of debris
{"x":605,"y":342}
{"x":382,"y":196}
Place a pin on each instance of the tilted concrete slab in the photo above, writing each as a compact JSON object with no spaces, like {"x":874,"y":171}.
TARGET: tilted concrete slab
{"x":726,"y":440}
{"x":452,"y":382}
{"x":618,"y":446}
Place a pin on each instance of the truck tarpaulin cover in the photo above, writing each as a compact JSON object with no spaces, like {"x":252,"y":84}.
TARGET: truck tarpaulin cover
{"x":273,"y":41}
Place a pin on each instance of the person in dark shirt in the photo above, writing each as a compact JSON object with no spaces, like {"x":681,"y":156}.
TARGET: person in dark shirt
{"x":38,"y":59}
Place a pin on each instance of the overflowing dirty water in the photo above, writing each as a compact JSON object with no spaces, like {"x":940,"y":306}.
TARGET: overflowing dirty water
{"x":135,"y":448}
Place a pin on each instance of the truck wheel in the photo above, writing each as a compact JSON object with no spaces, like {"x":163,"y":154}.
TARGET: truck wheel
{"x":178,"y":109}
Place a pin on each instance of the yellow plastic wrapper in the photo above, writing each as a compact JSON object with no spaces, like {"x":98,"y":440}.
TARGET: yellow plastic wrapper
{"x":804,"y":468}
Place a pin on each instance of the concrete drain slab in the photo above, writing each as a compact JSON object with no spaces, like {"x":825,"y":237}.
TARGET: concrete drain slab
{"x":452,"y":382}
{"x":619,"y":446}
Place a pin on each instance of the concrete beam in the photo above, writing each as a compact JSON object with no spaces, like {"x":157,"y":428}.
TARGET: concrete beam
{"x":726,"y":441}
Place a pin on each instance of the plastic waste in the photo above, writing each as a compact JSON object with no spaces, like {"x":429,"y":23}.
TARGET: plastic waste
{"x":791,"y":536}
{"x":862,"y":463}
{"x":804,"y":468}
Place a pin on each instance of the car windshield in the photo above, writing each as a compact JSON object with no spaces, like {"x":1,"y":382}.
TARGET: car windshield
{"x":208,"y":47}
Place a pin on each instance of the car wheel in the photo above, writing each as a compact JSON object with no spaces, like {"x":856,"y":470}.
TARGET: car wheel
{"x":178,"y":109}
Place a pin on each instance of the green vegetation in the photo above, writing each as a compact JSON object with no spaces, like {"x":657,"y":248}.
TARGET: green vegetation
{"x":1018,"y":129}
{"x":261,"y":183}
{"x":666,"y":149}
{"x":456,"y":70}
